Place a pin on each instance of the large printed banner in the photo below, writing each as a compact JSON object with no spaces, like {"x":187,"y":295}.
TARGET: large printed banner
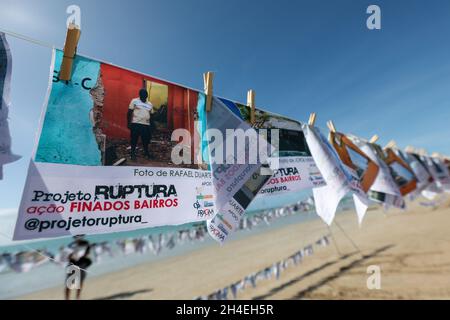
{"x":439,"y":172}
{"x":384,"y":189}
{"x":421,"y":173}
{"x":103,"y":158}
{"x":103,"y":161}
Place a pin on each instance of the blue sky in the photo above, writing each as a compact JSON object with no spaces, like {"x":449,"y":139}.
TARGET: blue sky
{"x":299,"y":57}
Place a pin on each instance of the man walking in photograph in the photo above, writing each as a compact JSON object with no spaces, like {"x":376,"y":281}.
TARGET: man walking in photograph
{"x":138,"y":118}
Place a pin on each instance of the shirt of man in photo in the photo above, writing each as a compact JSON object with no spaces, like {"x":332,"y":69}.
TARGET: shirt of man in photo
{"x":138,"y":118}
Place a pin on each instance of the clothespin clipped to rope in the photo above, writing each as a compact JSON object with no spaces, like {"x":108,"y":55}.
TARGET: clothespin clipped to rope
{"x":374,"y":138}
{"x":70,"y":48}
{"x":251,"y":105}
{"x":208,"y":85}
{"x":436,"y":155}
{"x":331,"y":126}
{"x":422,"y":152}
{"x":391,"y":144}
{"x":410,"y":149}
{"x":312,"y":119}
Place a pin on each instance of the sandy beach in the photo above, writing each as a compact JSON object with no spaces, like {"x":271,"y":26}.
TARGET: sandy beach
{"x":411,"y":247}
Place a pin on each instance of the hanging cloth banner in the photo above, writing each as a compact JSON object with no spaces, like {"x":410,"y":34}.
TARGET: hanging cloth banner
{"x":433,"y":188}
{"x":236,"y":178}
{"x":103,"y":161}
{"x":384,"y":189}
{"x":6,"y":156}
{"x":365,"y":169}
{"x":340,"y":179}
{"x":423,"y":176}
{"x":447,"y":163}
{"x":401,"y":172}
{"x":445,"y":180}
{"x":440,"y":173}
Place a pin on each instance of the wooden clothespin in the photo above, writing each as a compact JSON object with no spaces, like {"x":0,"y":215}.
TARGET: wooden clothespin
{"x":391,"y":144}
{"x":331,"y":126}
{"x":70,"y":48}
{"x":374,"y":138}
{"x":251,"y":105}
{"x":312,"y":119}
{"x":208,"y":85}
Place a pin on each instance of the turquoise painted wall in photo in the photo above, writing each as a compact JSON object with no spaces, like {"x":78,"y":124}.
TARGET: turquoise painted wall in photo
{"x":67,"y":136}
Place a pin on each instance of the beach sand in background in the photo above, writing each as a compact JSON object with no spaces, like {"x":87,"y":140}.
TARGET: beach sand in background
{"x":412,"y":248}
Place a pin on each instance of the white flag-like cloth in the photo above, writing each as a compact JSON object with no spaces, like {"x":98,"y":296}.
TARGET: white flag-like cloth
{"x":432,"y":189}
{"x":439,"y":172}
{"x":340,"y":179}
{"x":236,"y":184}
{"x":384,"y":182}
{"x":6,"y":156}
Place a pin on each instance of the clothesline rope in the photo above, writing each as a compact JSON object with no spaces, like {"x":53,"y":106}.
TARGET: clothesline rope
{"x":349,"y":238}
{"x":44,"y":255}
{"x":334,"y":241}
{"x":26,"y":38}
{"x":256,"y":276}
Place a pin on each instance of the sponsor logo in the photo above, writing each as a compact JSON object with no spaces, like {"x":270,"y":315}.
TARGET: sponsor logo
{"x":216,"y":233}
{"x":208,"y":204}
{"x":225,"y":222}
{"x":203,"y":212}
{"x":205,"y":197}
{"x":222,"y":228}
